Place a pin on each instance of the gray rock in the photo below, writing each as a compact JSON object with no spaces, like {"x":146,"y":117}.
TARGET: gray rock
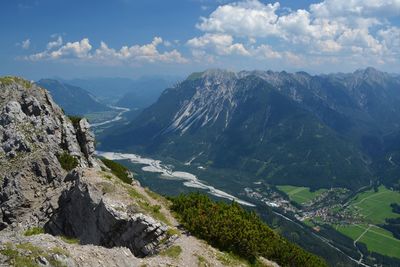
{"x":33,"y":131}
{"x":86,"y":214}
{"x":35,"y":191}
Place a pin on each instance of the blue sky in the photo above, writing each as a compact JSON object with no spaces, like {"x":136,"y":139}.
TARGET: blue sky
{"x":130,"y":38}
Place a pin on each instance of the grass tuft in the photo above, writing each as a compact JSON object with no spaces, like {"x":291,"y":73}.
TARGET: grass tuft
{"x":70,"y":240}
{"x":8,"y":80}
{"x":172,"y":252}
{"x":118,"y":170}
{"x":34,"y":231}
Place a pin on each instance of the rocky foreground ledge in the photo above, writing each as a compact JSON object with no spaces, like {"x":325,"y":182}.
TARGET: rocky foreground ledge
{"x":60,"y":206}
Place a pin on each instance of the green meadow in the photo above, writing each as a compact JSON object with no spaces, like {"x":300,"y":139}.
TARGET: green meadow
{"x":375,"y":238}
{"x":300,"y":195}
{"x":375,"y":206}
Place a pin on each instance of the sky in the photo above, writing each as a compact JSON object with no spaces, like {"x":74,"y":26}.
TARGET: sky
{"x":131,"y":38}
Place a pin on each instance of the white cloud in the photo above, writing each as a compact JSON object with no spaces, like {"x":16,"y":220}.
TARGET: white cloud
{"x":334,"y":8}
{"x":221,"y":43}
{"x":332,"y":28}
{"x":56,"y":43}
{"x":83,"y":50}
{"x":25,"y":44}
{"x":79,"y":49}
{"x":248,"y":18}
{"x":266,"y":52}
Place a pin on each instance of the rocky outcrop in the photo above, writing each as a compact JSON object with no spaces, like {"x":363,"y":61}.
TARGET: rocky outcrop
{"x":35,"y":190}
{"x":86,"y":140}
{"x":33,"y":132}
{"x":93,"y":217}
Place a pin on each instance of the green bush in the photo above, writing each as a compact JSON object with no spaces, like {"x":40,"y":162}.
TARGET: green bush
{"x":67,"y":161}
{"x":231,"y":228}
{"x":118,"y":170}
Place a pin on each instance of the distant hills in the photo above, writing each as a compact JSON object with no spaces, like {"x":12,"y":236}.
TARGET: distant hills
{"x":125,"y":92}
{"x":143,"y":92}
{"x":283,"y":128}
{"x":74,"y":100}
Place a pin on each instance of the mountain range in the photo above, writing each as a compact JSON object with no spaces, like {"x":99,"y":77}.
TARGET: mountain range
{"x":335,"y":130}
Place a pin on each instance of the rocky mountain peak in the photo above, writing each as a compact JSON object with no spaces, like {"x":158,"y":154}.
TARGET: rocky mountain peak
{"x":50,"y":179}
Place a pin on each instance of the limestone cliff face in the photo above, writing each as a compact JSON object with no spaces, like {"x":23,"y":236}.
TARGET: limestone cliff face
{"x":33,"y":132}
{"x":35,"y":190}
{"x":100,"y":212}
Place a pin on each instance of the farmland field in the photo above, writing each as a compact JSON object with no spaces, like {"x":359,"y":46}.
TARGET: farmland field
{"x":374,"y":207}
{"x":375,"y":238}
{"x":300,"y":195}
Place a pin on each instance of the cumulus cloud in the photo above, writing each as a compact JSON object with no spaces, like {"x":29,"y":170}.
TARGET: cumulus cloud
{"x":248,"y":18}
{"x":221,"y":43}
{"x":337,"y":28}
{"x":56,"y":43}
{"x":334,"y":8}
{"x":83,"y":50}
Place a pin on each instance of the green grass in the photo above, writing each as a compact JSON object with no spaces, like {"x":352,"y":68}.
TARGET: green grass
{"x":136,"y":195}
{"x":173,"y":231}
{"x":300,"y":195}
{"x":352,"y":231}
{"x":230,"y":259}
{"x":154,"y":211}
{"x":376,"y":239}
{"x":34,"y":231}
{"x":25,"y":255}
{"x":375,"y":206}
{"x":8,"y":80}
{"x":172,"y":252}
{"x":144,"y":204}
{"x":59,"y":251}
{"x":118,"y":170}
{"x":202,"y":262}
{"x":70,"y":240}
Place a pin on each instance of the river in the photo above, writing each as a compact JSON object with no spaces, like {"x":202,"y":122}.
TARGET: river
{"x":188,"y":179}
{"x":118,"y":117}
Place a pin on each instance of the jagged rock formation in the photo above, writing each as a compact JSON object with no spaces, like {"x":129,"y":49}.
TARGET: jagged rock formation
{"x":33,"y":132}
{"x":35,"y":190}
{"x":107,"y":219}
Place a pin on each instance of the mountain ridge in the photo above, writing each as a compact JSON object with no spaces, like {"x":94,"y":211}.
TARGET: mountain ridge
{"x":338,"y":112}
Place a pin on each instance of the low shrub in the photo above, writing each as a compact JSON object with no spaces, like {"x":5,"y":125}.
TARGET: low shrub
{"x":67,"y":161}
{"x":231,"y":228}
